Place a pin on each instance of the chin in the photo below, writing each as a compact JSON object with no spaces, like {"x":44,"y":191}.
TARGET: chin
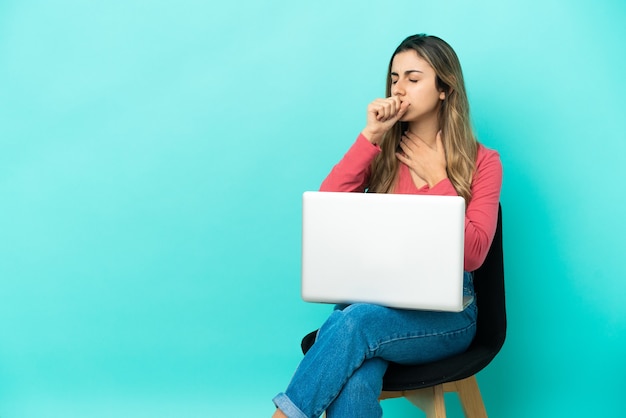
{"x":409,"y":116}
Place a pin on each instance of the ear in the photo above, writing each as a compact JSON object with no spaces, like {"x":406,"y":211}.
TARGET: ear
{"x":444,"y":93}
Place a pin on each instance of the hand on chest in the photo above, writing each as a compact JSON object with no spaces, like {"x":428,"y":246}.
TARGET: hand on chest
{"x":426,"y":163}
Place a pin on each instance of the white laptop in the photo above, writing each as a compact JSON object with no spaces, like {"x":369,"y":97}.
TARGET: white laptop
{"x":401,"y":251}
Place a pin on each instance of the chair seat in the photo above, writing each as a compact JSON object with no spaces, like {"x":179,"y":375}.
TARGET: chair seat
{"x":402,"y":377}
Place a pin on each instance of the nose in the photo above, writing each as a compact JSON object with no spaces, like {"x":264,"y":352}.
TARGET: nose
{"x":397,"y":89}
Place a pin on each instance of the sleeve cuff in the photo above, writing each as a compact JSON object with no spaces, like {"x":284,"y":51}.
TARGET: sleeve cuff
{"x":365,"y":145}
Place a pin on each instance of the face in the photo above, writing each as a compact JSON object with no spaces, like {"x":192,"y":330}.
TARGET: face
{"x":413,"y":81}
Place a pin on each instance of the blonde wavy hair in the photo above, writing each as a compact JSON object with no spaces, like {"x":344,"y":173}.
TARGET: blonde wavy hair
{"x":458,"y":137}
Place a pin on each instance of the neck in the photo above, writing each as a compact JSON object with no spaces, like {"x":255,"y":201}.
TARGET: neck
{"x":426,"y":129}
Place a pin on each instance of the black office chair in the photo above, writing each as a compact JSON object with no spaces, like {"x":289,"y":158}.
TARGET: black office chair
{"x":424,"y":385}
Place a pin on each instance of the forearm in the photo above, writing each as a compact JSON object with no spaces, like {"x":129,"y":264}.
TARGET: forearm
{"x":352,"y":173}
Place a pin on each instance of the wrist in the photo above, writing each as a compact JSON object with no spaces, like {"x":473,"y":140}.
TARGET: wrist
{"x":372,"y":136}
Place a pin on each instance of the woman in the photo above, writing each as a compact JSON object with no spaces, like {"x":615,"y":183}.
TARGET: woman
{"x":417,"y":140}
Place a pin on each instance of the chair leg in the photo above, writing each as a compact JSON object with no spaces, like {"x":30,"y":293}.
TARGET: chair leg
{"x":471,"y":400}
{"x":430,"y":400}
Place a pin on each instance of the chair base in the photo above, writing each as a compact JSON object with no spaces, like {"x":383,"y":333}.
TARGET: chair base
{"x":431,"y":401}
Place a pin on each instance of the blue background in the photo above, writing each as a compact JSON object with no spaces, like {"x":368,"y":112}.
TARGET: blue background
{"x":152,"y":160}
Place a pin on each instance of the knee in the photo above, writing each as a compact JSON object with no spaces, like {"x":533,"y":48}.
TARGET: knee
{"x":352,"y":326}
{"x":361,"y":315}
{"x":354,"y":317}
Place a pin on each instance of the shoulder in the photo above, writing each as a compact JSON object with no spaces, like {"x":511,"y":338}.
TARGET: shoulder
{"x":488,"y":164}
{"x":487,"y":157}
{"x":486,"y":154}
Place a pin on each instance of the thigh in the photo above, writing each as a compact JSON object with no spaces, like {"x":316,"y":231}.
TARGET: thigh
{"x":410,"y":336}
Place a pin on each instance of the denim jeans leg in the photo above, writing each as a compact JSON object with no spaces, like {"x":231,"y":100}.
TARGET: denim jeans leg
{"x":326,"y":367}
{"x":359,"y":396}
{"x":354,"y":335}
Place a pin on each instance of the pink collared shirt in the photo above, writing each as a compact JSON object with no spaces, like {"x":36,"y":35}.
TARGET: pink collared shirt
{"x":352,"y":174}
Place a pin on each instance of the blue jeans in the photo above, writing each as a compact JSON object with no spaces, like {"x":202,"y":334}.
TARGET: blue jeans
{"x":343,"y":371}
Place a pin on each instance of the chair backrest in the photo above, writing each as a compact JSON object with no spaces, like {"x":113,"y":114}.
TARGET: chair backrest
{"x":489,"y":286}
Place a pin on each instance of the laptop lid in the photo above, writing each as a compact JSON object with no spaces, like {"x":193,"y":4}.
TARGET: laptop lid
{"x":402,"y":251}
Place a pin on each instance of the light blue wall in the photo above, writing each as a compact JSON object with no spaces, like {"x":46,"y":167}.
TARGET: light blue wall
{"x":152,"y":158}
